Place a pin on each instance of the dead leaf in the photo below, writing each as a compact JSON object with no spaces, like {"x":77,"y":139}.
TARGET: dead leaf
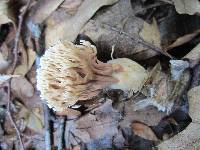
{"x":4,"y":78}
{"x":150,"y":33}
{"x":68,"y":29}
{"x":194,"y":103}
{"x":70,"y":113}
{"x":143,"y":131}
{"x":177,"y":68}
{"x":26,"y":61}
{"x":188,"y":138}
{"x":184,"y":39}
{"x":42,"y":10}
{"x":162,"y":90}
{"x":6,"y":15}
{"x":34,"y":123}
{"x":117,"y":27}
{"x":190,"y":7}
{"x":194,"y":56}
{"x":3,"y":63}
{"x":32,"y":120}
{"x":22,"y":88}
{"x":71,"y":6}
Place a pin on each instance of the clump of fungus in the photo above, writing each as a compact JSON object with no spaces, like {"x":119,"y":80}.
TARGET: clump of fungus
{"x":69,"y":73}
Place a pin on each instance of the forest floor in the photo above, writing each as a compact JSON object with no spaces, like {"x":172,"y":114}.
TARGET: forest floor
{"x":161,"y":35}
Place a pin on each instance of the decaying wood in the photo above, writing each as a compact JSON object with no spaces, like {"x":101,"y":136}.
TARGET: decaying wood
{"x":11,"y":118}
{"x":48,"y":132}
{"x":61,"y":133}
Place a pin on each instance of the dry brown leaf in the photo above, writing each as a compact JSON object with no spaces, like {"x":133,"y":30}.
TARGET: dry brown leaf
{"x":92,"y":127}
{"x":150,"y":33}
{"x":188,"y":138}
{"x":26,"y":61}
{"x":119,"y":28}
{"x":34,"y":123}
{"x":42,"y":10}
{"x":184,"y":39}
{"x":4,"y":78}
{"x":22,"y":88}
{"x":3,"y":63}
{"x":32,"y":120}
{"x":6,"y":15}
{"x":143,"y":131}
{"x":190,"y":7}
{"x":71,"y":6}
{"x":68,"y":29}
{"x":70,"y":113}
{"x":194,"y":56}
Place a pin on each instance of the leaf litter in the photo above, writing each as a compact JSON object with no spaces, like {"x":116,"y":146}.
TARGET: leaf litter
{"x":140,"y":30}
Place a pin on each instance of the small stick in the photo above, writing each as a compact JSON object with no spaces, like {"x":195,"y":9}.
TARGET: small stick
{"x":139,"y":40}
{"x":17,"y":36}
{"x":15,"y":52}
{"x":61,"y":133}
{"x":48,"y":141}
{"x":11,"y":119}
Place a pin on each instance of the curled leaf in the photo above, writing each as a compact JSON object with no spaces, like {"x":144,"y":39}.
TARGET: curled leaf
{"x":143,"y":131}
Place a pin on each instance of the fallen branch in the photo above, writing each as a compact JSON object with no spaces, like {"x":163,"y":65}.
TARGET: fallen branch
{"x":11,"y":119}
{"x":61,"y":133}
{"x":48,"y":139}
{"x":17,"y":36}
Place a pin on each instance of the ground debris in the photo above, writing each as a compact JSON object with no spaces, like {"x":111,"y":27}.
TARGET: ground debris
{"x":162,"y":36}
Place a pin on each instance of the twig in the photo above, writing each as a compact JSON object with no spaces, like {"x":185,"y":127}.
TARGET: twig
{"x":11,"y":119}
{"x":150,"y":7}
{"x":15,"y":52}
{"x":139,"y":40}
{"x":17,"y":36}
{"x":61,"y":133}
{"x":48,"y":141}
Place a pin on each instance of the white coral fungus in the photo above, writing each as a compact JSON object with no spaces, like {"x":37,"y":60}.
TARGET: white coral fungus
{"x":69,"y":73}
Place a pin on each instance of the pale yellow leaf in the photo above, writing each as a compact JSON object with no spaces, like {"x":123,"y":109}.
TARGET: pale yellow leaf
{"x":32,"y":120}
{"x":34,"y":123}
{"x":5,"y":13}
{"x":27,"y":60}
{"x":150,"y":33}
{"x":190,"y":7}
{"x":184,"y":39}
{"x":3,"y":63}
